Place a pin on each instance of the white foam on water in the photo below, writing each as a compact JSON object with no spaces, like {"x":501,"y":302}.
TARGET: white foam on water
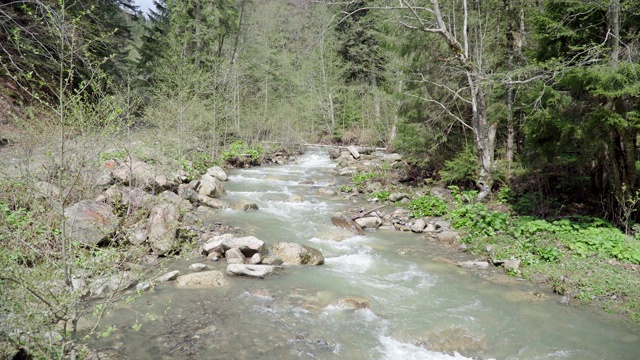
{"x":392,"y":349}
{"x":411,"y":275}
{"x":351,"y":263}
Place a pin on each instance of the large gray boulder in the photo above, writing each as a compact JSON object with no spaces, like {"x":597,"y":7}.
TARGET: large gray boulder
{"x":258,"y":271}
{"x":210,"y":186}
{"x":218,"y":173}
{"x":163,"y":223}
{"x":234,"y":256}
{"x":249,"y":245}
{"x":369,"y":222}
{"x":172,"y":198}
{"x":244,"y":205}
{"x":211,"y":202}
{"x":204,"y":279}
{"x":297,"y":254}
{"x":343,"y":221}
{"x":90,"y":222}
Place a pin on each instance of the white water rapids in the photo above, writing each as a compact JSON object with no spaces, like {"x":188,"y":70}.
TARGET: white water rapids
{"x":419,"y":308}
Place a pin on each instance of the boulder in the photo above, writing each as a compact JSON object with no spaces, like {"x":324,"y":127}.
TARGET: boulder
{"x":244,"y":205}
{"x":104,"y":179}
{"x":249,"y":245}
{"x":172,"y":275}
{"x":370,"y":222}
{"x":442,"y":194}
{"x":140,"y":174}
{"x":137,"y":234}
{"x":218,"y":173}
{"x":295,"y":199}
{"x":163,"y":224}
{"x":397,"y":196}
{"x":473,"y":265}
{"x":512,"y":265}
{"x":353,"y":151}
{"x":326,"y":191}
{"x":442,"y":225}
{"x":448,"y":237}
{"x":354,"y":303}
{"x":259,"y":271}
{"x":197,"y":267}
{"x":210,"y":186}
{"x":104,"y":286}
{"x":46,"y":191}
{"x":136,"y":198}
{"x":90,"y":222}
{"x":215,"y":243}
{"x":297,"y":254}
{"x":418,"y":226}
{"x":255,"y":259}
{"x":173,"y":198}
{"x":185,"y":191}
{"x":211,"y":202}
{"x":234,"y":256}
{"x":205,"y":279}
{"x":343,"y":221}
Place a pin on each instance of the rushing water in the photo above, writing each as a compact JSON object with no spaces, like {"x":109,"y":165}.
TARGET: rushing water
{"x":420,"y":308}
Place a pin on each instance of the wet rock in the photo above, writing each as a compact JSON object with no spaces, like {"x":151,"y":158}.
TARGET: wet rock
{"x":334,"y":153}
{"x":370,"y":222}
{"x":210,"y":186}
{"x":397,"y":197}
{"x":171,"y":275}
{"x":205,"y":279}
{"x":234,"y":256}
{"x":295,"y":199}
{"x":448,"y":237}
{"x":272,"y":260}
{"x":418,"y":226}
{"x":163,"y":225}
{"x":297,"y":254}
{"x":144,"y":286}
{"x":249,"y":245}
{"x":244,"y":205}
{"x":326,"y":191}
{"x":90,"y":222}
{"x":353,"y":151}
{"x":211,"y":202}
{"x":524,"y":296}
{"x":354,"y":303}
{"x":473,"y":265}
{"x":197,"y":267}
{"x":218,"y":173}
{"x":452,"y":340}
{"x":255,"y":259}
{"x":343,"y":221}
{"x":215,"y":243}
{"x":259,"y":271}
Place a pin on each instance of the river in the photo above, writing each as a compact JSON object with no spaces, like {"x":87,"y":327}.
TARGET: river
{"x":420,"y":308}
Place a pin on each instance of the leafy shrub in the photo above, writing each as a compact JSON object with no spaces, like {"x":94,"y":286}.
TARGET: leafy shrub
{"x":360,"y":180}
{"x":382,"y":195}
{"x":239,"y":149}
{"x":427,"y":206}
{"x":479,"y":220}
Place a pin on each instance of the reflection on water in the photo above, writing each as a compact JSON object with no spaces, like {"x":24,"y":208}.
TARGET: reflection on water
{"x":419,"y":308}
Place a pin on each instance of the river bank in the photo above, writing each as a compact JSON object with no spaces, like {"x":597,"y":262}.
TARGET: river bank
{"x":398,"y":273}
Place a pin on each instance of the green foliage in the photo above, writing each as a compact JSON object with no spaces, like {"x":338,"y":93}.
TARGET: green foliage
{"x":462,"y":169}
{"x":240,"y":149}
{"x":382,"y":195}
{"x":361,"y":179}
{"x":346,"y":189}
{"x":427,"y":206}
{"x":478,"y":220}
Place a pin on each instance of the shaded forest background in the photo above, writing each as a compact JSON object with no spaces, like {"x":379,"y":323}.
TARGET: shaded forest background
{"x":538,"y":101}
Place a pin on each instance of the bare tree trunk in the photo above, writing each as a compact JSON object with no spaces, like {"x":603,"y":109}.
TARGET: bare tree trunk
{"x":394,"y":126}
